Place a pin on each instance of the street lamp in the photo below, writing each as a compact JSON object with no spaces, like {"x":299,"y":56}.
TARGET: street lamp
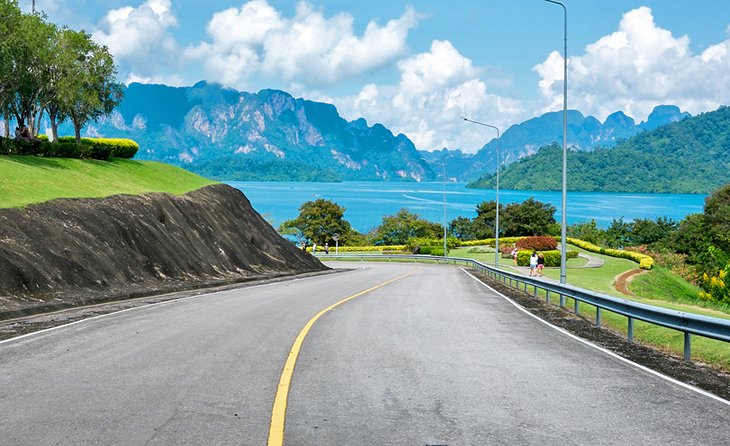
{"x":496,"y":220}
{"x":565,"y":142}
{"x":444,"y":166}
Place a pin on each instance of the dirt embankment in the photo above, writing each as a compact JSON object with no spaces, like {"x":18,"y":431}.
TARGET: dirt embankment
{"x":72,"y":252}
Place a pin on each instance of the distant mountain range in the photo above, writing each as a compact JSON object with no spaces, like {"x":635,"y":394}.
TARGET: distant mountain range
{"x":521,"y":140}
{"x":269,"y":135}
{"x":230,"y":135}
{"x":689,"y":156}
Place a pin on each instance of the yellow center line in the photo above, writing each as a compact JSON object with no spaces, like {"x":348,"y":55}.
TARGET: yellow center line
{"x":278,"y":414}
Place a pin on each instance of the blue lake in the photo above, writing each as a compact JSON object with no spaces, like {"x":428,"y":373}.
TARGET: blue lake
{"x":367,"y":202}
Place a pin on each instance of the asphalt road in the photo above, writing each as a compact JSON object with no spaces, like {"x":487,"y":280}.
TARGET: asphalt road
{"x":434,"y":358}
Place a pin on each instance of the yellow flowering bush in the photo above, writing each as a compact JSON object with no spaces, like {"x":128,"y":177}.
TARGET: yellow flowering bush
{"x":644,"y":261}
{"x":490,"y":241}
{"x":716,"y":286}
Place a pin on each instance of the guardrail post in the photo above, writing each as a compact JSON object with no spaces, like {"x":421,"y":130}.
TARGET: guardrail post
{"x":687,"y":346}
{"x":547,"y":296}
{"x":534,"y":291}
{"x":575,"y":305}
{"x":630,"y":331}
{"x":598,"y":317}
{"x":562,"y":301}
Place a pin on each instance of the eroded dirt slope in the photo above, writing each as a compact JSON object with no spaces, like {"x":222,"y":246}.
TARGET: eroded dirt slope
{"x":70,"y":252}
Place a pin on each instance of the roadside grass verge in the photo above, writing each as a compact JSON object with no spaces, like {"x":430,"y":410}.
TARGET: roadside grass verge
{"x":30,"y":179}
{"x":709,"y":351}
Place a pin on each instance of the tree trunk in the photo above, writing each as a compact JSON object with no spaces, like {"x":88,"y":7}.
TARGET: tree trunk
{"x":54,"y":127}
{"x":37,"y":125}
{"x":77,"y":127}
{"x":7,"y":126}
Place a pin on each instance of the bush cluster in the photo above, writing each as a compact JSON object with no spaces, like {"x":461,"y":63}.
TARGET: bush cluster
{"x":644,"y":261}
{"x":383,"y":248}
{"x":552,"y":257}
{"x":490,"y":242}
{"x":432,"y":250}
{"x":416,"y":244}
{"x":537,"y":243}
{"x":66,"y":147}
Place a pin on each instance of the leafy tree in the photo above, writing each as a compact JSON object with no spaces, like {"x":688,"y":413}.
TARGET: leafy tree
{"x":587,"y":231}
{"x":485,"y":221}
{"x":651,"y":232}
{"x":29,"y":75}
{"x":618,"y":233}
{"x":317,"y":221}
{"x":9,"y":19}
{"x":397,"y":229}
{"x":463,"y":228}
{"x":717,"y":217}
{"x":90,"y":89}
{"x":704,"y":237}
{"x":531,"y":217}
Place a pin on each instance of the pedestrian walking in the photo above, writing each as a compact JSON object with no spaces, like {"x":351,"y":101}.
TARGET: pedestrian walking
{"x":540,"y":263}
{"x":533,"y":263}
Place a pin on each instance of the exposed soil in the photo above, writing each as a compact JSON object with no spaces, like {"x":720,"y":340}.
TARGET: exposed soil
{"x":693,"y":373}
{"x":622,"y":281}
{"x":76,"y":252}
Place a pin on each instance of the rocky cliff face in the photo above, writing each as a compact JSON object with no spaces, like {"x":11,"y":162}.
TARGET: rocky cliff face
{"x":76,"y":251}
{"x":225,"y":134}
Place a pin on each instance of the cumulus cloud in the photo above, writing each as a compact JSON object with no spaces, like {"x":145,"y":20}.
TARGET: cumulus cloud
{"x":139,"y":36}
{"x":435,"y":89}
{"x":636,"y":68}
{"x":308,"y":48}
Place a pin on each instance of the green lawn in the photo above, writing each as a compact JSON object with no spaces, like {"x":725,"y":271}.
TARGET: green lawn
{"x":26,"y":180}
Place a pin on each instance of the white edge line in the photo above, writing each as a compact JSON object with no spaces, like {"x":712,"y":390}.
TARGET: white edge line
{"x":601,"y":349}
{"x":179,"y":299}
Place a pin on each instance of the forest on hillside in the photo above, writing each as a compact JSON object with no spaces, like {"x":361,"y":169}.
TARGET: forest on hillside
{"x":690,"y":156}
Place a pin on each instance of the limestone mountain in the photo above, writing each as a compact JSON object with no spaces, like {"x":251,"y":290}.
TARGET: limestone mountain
{"x":230,"y":135}
{"x":688,"y":156}
{"x":585,"y":133}
{"x":225,"y":134}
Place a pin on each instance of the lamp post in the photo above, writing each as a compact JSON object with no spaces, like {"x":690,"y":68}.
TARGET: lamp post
{"x":496,"y":220}
{"x":565,"y":142}
{"x":444,"y":166}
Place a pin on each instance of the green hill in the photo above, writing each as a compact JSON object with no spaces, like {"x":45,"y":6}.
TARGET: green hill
{"x":28,"y":179}
{"x":689,"y":156}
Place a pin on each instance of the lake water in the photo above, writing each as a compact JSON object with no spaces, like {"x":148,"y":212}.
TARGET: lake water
{"x":367,"y":202}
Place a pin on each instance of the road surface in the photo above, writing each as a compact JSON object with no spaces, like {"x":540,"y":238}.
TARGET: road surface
{"x":432,"y":358}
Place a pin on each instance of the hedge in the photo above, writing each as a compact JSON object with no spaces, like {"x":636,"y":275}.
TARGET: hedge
{"x":66,"y":147}
{"x":490,"y":241}
{"x":398,"y":248}
{"x":644,"y":261}
{"x":432,"y":250}
{"x":552,"y":257}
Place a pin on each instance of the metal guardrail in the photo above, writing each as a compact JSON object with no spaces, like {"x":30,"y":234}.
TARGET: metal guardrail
{"x":688,"y":323}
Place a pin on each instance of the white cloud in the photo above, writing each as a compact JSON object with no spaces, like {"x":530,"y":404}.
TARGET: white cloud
{"x":636,"y":68}
{"x":436,"y":88}
{"x":139,"y":36}
{"x":308,"y":48}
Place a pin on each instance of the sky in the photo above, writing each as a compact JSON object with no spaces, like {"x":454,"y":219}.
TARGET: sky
{"x":418,"y":66}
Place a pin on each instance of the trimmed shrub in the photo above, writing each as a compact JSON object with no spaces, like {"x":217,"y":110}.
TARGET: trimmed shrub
{"x":537,"y":243}
{"x":66,"y":147}
{"x":117,"y":147}
{"x":644,"y":261}
{"x":491,"y":241}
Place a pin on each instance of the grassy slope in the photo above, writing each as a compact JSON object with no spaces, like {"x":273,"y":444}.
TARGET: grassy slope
{"x":26,"y":180}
